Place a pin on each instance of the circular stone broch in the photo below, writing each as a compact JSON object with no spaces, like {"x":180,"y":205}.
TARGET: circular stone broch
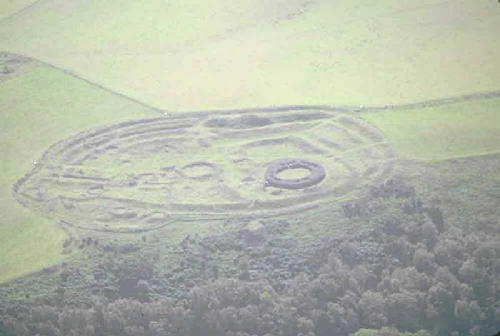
{"x":139,"y":175}
{"x":316,"y":174}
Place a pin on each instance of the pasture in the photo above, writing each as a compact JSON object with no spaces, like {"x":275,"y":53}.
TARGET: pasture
{"x":442,"y":132}
{"x":183,"y":55}
{"x":92,"y":71}
{"x":39,"y":106}
{"x":249,"y":167}
{"x":118,"y":158}
{"x":13,"y":7}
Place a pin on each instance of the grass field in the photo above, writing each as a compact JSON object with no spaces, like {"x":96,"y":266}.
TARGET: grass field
{"x":38,"y":108}
{"x":10,"y":7}
{"x":35,"y":114}
{"x":438,"y":133}
{"x":182,"y":55}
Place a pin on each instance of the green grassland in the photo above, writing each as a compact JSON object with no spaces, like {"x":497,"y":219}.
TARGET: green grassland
{"x":35,"y":115}
{"x":184,"y":55}
{"x":444,"y":132}
{"x":10,"y":7}
{"x":38,"y":108}
{"x":210,"y":169}
{"x":222,"y":153}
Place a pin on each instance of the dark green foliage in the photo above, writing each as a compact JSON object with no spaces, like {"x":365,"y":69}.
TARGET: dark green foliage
{"x":412,"y":271}
{"x":426,"y":288}
{"x":5,"y":332}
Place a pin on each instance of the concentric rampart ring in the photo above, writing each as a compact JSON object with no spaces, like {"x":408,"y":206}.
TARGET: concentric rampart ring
{"x":183,"y":167}
{"x":317,"y":174}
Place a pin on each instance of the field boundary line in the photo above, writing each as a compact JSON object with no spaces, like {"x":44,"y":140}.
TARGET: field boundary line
{"x":486,"y":95}
{"x":357,"y":108}
{"x":92,"y":83}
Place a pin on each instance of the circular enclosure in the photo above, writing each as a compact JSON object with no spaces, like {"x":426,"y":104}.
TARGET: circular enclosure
{"x":141,"y":174}
{"x":316,"y":174}
{"x":199,"y":171}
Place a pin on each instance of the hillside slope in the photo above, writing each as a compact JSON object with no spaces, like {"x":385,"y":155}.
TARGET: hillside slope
{"x":185,"y":55}
{"x":38,"y":107}
{"x":14,"y":7}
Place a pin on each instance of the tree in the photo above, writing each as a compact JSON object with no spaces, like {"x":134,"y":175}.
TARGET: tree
{"x":403,"y":311}
{"x":348,"y":251}
{"x":4,"y":331}
{"x":424,"y":261}
{"x":143,"y":291}
{"x":372,"y":310}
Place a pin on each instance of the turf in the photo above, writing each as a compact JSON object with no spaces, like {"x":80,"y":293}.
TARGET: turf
{"x":222,"y":54}
{"x":438,"y":133}
{"x":10,"y":7}
{"x":38,"y":108}
{"x":183,"y":55}
{"x":133,"y":168}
